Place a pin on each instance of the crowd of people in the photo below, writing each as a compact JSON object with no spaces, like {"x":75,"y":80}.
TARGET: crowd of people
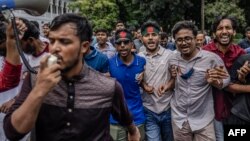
{"x":140,"y":85}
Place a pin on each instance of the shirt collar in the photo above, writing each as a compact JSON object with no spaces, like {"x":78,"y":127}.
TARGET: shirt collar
{"x":83,"y":72}
{"x":198,"y":55}
{"x":160,"y":51}
{"x":109,"y":46}
{"x":214,"y":47}
{"x":119,"y":62}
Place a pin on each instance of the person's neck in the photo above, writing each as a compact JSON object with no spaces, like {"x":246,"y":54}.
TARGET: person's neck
{"x":102,"y":46}
{"x":222,"y":48}
{"x":153,"y":52}
{"x":74,"y":71}
{"x":128,"y":59}
{"x":40,"y":46}
{"x":192,"y":55}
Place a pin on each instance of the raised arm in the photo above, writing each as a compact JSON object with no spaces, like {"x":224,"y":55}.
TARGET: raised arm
{"x":10,"y":75}
{"x":23,"y":118}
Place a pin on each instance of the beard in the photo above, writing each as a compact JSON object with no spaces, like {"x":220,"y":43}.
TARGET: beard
{"x":72,"y":63}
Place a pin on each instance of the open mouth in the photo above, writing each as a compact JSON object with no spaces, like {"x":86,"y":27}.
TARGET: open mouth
{"x":225,"y":39}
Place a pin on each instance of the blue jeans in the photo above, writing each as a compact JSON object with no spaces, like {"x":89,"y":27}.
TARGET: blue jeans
{"x":158,"y":127}
{"x":219,"y":130}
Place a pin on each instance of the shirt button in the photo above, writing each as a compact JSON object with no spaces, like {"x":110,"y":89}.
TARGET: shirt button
{"x":71,"y":97}
{"x":70,"y":110}
{"x":70,"y":84}
{"x":68,"y":123}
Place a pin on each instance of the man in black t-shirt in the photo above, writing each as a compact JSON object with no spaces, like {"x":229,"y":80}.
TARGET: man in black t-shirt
{"x":240,"y":78}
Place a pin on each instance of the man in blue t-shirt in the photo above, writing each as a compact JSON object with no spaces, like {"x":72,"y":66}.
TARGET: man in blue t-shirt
{"x":127,"y":68}
{"x":96,"y":60}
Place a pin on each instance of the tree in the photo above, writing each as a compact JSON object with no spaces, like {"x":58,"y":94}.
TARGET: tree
{"x":222,"y":7}
{"x":165,"y":12}
{"x":101,"y":13}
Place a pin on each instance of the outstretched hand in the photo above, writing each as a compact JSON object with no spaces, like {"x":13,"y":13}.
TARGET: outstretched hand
{"x":214,"y":76}
{"x":243,"y":72}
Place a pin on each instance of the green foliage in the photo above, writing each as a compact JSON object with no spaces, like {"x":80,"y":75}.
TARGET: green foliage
{"x":165,"y":12}
{"x":238,"y":38}
{"x":101,"y":13}
{"x":104,"y":13}
{"x":222,"y":7}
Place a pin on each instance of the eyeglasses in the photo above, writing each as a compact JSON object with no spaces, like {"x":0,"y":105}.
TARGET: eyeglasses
{"x":126,"y":42}
{"x":187,"y":40}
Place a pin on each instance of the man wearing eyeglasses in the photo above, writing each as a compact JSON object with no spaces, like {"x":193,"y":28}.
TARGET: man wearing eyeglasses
{"x":127,"y":68}
{"x":192,"y":102}
{"x":157,"y":107}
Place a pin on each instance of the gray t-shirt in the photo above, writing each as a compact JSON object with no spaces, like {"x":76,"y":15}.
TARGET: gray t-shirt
{"x":157,"y":73}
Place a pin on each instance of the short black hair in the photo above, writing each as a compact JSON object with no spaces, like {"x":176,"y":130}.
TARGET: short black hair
{"x":163,"y":35}
{"x":36,"y":24}
{"x":101,"y":30}
{"x":32,"y":30}
{"x":84,"y":29}
{"x":119,"y":21}
{"x":46,"y":24}
{"x":247,"y":29}
{"x":220,"y":18}
{"x":184,"y":25}
{"x":150,"y":23}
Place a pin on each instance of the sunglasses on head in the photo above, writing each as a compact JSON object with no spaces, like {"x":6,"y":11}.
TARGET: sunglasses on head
{"x":125,"y":42}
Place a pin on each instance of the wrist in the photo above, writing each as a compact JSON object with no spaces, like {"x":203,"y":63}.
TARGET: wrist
{"x":39,"y":93}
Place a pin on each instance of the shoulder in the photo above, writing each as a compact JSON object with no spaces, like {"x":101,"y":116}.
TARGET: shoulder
{"x":141,"y":60}
{"x":102,"y":56}
{"x":112,"y":59}
{"x":169,"y":53}
{"x":210,"y":54}
{"x":99,"y":78}
{"x":142,"y":54}
{"x":237,"y":49}
{"x":209,"y":46}
{"x":243,"y":58}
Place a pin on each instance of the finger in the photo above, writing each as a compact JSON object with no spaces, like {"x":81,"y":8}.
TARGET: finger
{"x":159,"y":92}
{"x":219,"y":68}
{"x":241,"y":73}
{"x":244,"y":70}
{"x":55,"y":68}
{"x":4,"y":109}
{"x":246,"y":64}
{"x":222,"y":73}
{"x":214,"y":72}
{"x":58,"y":79}
{"x":43,"y":62}
{"x":216,"y":76}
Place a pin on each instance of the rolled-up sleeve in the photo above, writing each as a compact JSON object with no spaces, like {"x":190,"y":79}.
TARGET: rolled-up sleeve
{"x":10,"y":76}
